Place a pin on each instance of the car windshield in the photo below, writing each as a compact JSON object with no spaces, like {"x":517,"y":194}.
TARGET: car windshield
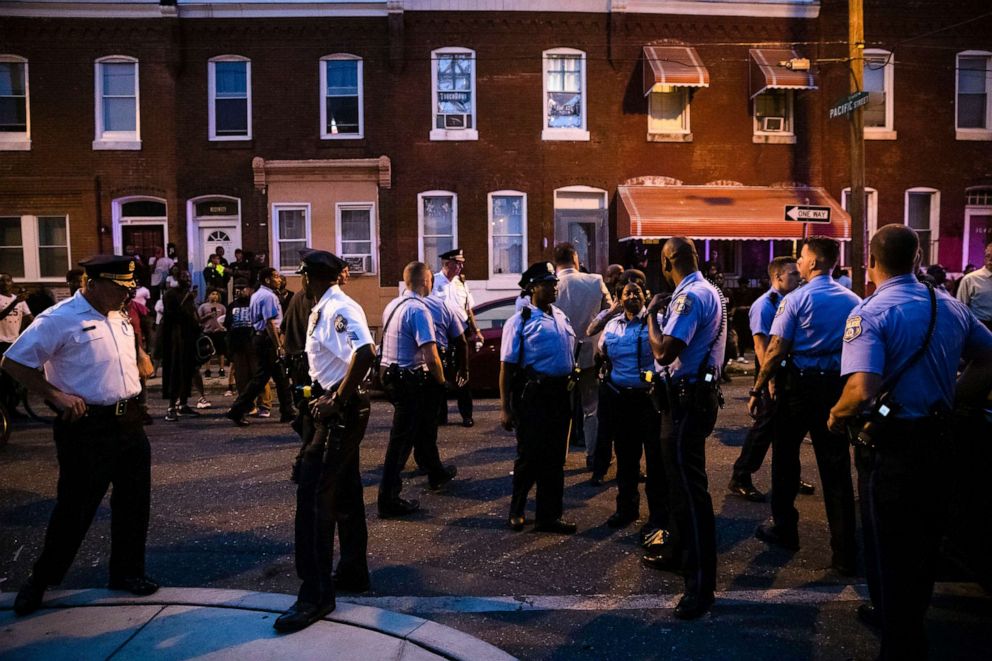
{"x":494,"y":317}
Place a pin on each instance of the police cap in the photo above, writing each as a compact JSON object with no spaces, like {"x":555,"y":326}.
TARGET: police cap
{"x":116,"y":268}
{"x":321,"y":262}
{"x":453,"y":255}
{"x":538,"y":272}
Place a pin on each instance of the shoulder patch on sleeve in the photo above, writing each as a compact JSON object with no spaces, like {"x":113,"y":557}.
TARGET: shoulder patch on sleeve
{"x":682,"y":304}
{"x":781,"y":308}
{"x":853,"y":328}
{"x":340,"y":323}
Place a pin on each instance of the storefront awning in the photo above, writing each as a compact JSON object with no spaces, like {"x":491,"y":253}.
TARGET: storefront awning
{"x":767,"y":72}
{"x":678,"y":66}
{"x":724,"y":212}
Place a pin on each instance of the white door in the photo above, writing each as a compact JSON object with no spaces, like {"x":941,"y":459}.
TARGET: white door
{"x":213,"y":237}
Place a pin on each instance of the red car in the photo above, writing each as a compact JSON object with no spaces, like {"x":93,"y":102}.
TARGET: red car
{"x":484,"y":365}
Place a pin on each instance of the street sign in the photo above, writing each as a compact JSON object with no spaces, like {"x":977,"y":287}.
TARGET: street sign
{"x":807,"y":214}
{"x":849,"y":104}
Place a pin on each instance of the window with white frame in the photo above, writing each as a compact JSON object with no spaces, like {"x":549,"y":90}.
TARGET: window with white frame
{"x":565,"y":95}
{"x":507,"y":233}
{"x":229,"y":85}
{"x":118,"y":121}
{"x":356,"y":236}
{"x":668,"y":110}
{"x":290,"y":232}
{"x":453,"y":94}
{"x":34,"y":247}
{"x":341,"y":102}
{"x":773,"y":113}
{"x":871,"y":207}
{"x":438,"y":220}
{"x":879,"y":72}
{"x":922,"y":209}
{"x":15,"y":120}
{"x":974,"y":83}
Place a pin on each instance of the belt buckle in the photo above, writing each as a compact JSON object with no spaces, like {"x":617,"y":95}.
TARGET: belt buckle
{"x":120,"y":408}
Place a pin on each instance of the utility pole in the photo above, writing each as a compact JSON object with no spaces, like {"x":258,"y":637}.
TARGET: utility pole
{"x":856,"y":200}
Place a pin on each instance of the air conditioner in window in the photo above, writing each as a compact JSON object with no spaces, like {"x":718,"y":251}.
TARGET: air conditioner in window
{"x":773,"y":124}
{"x":358,"y":265}
{"x":455,"y":121}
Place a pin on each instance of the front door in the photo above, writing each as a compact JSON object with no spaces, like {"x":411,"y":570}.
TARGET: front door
{"x":212,"y":238}
{"x":142,"y":240}
{"x":979,"y":228}
{"x":586,"y":229}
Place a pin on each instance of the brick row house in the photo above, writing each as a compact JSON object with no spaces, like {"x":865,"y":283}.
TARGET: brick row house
{"x":392,"y":131}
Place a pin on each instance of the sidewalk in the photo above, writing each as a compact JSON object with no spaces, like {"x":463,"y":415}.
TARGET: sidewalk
{"x":181,"y":623}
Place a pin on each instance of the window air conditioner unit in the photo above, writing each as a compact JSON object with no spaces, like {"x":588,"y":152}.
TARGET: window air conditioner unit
{"x":357,"y":265}
{"x":458,"y":121}
{"x":773,"y":124}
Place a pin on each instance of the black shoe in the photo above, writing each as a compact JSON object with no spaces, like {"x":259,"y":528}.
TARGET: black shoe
{"x":237,"y":418}
{"x":468,"y":422}
{"x":301,"y":615}
{"x":29,"y":597}
{"x":693,"y":605}
{"x":590,"y":463}
{"x":186,"y":409}
{"x":398,"y":507}
{"x":618,"y":520}
{"x":806,"y":489}
{"x":597,"y":480}
{"x":352,"y":584}
{"x":557,"y":526}
{"x":517,"y":523}
{"x":287,"y":417}
{"x":663,"y":559}
{"x":772,"y":534}
{"x":449,"y":475}
{"x":869,"y":615}
{"x":137,"y":585}
{"x":743,"y":487}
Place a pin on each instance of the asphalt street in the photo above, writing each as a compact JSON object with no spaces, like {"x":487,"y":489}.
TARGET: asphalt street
{"x":222,"y":517}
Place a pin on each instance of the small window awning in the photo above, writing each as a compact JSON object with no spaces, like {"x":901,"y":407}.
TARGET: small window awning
{"x":677,"y":66}
{"x":767,"y":72}
{"x":725,"y":212}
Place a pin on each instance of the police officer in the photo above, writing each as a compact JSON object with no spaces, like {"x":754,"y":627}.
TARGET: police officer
{"x":449,"y":283}
{"x":806,"y":337}
{"x":690,"y":345}
{"x":87,"y":349}
{"x":411,"y":371}
{"x":537,"y":357}
{"x":334,"y":414}
{"x":894,"y":362}
{"x":628,"y":409}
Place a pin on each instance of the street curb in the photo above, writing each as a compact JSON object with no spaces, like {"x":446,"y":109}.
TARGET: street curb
{"x":439,"y":639}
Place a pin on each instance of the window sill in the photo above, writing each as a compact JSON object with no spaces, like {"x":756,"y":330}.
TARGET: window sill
{"x":574,"y":135}
{"x":456,"y":135}
{"x":880,"y":134}
{"x":232,"y":138}
{"x":779,"y":139}
{"x":231,"y":144}
{"x":669,"y":137}
{"x":117,"y":145}
{"x":328,"y":137}
{"x":15,"y":145}
{"x":973,"y":134}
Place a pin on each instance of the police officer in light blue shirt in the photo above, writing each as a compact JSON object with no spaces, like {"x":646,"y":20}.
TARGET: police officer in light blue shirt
{"x":895,"y":365}
{"x":690,"y":344}
{"x":804,"y":357}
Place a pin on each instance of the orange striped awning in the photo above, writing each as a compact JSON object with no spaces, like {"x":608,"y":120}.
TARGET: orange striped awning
{"x":678,"y":66}
{"x":767,"y":72}
{"x":724,"y":212}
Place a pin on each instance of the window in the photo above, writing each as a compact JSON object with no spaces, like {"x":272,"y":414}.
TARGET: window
{"x":118,"y":122}
{"x":773,"y":116}
{"x":494,"y":315}
{"x":871,"y":207}
{"x":356,"y":236}
{"x":34,"y":247}
{"x":974,"y":80}
{"x":290,"y":232}
{"x":923,"y":215}
{"x":229,"y":85}
{"x":15,"y":133}
{"x":878,"y":82}
{"x":668,"y":110}
{"x":507,"y":234}
{"x":564,"y":95}
{"x":341,"y":102}
{"x":453,"y":94}
{"x":438,"y":225}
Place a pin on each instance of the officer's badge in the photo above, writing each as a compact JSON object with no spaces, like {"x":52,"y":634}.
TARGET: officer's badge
{"x":781,"y":308}
{"x":312,"y":322}
{"x":340,"y":324}
{"x":130,"y":266}
{"x":853,"y":328}
{"x":682,"y":304}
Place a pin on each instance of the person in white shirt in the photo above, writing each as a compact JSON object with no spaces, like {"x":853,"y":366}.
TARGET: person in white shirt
{"x":161,"y":265}
{"x":449,"y":284}
{"x":14,"y":315}
{"x":975,"y":290}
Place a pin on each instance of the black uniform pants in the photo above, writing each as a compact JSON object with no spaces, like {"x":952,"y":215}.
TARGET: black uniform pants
{"x":266,"y":368}
{"x":903,"y":526}
{"x":414,"y":425}
{"x":329,"y":494}
{"x":804,"y":406}
{"x":425,"y":450}
{"x":684,"y":428}
{"x":756,"y":443}
{"x":97,"y":451}
{"x":542,"y":411}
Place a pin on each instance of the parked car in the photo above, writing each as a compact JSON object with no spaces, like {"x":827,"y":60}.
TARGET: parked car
{"x":490,"y":317}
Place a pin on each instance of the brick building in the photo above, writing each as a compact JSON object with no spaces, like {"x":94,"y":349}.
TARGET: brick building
{"x":389,"y":131}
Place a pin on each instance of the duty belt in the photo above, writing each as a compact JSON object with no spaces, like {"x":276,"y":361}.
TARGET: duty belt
{"x":117,"y":409}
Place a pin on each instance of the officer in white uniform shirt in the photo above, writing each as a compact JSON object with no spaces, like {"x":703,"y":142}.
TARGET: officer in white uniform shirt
{"x":87,"y":349}
{"x":335,"y":413}
{"x":14,"y":315}
{"x":449,"y":284}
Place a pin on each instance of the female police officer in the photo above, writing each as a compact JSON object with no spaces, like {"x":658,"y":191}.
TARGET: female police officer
{"x":537,"y":359}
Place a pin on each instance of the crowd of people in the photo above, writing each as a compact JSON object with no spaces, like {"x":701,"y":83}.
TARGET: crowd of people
{"x":594,"y":361}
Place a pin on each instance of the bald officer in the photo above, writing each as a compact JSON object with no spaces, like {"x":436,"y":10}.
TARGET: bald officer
{"x":87,"y":349}
{"x":537,"y":357}
{"x":904,"y":523}
{"x":329,"y":485}
{"x":690,"y":345}
{"x":804,"y":357}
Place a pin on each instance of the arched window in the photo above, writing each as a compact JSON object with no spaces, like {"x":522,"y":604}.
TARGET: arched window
{"x":507,"y":234}
{"x":437,"y":216}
